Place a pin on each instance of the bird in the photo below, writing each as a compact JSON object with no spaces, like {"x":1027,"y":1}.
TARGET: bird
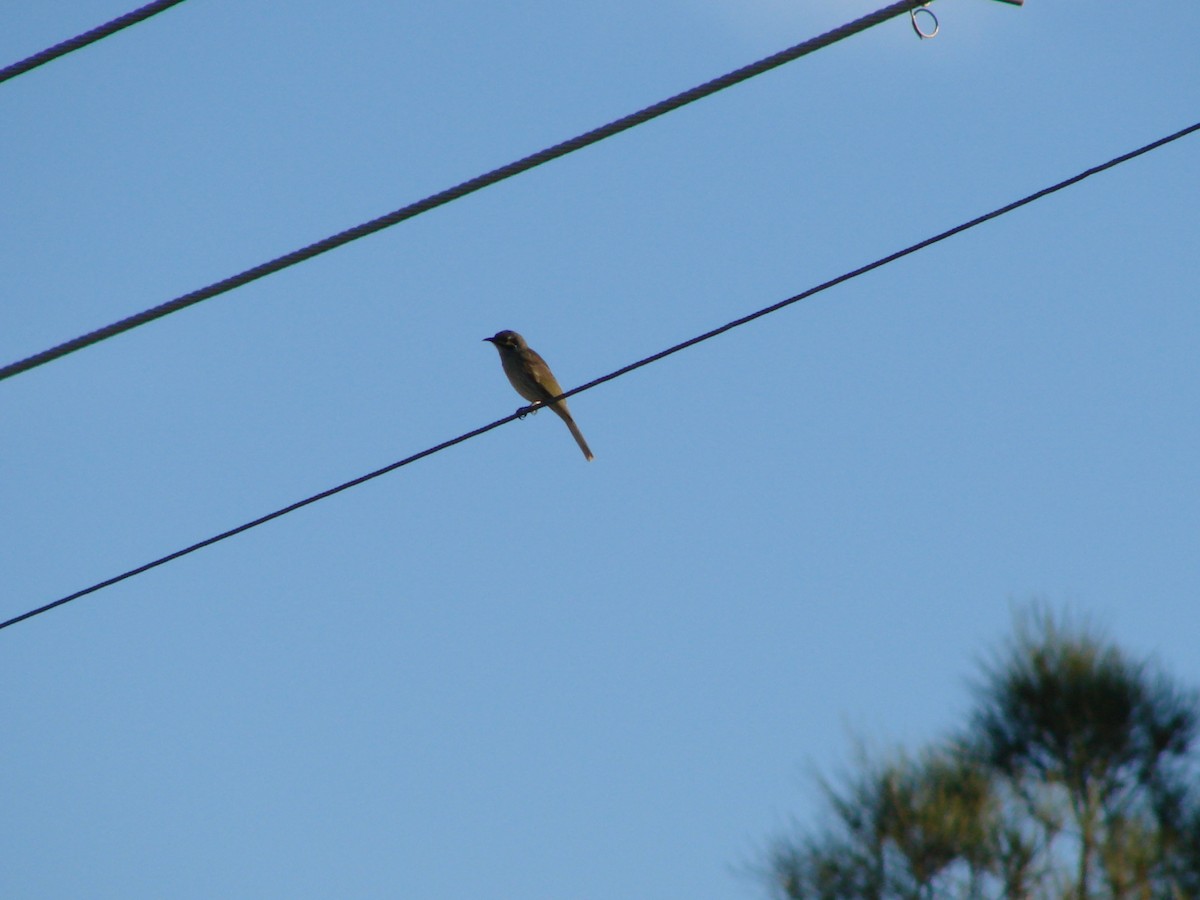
{"x":533,"y":380}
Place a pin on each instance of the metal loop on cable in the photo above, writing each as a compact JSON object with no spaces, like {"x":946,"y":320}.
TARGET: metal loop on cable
{"x":916,"y":23}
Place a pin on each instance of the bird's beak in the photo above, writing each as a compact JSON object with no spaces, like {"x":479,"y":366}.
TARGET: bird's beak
{"x":490,"y":340}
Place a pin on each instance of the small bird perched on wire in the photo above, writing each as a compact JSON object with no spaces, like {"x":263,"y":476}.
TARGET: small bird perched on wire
{"x":533,"y":380}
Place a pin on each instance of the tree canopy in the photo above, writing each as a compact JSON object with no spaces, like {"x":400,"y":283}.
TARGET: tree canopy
{"x":1072,"y":779}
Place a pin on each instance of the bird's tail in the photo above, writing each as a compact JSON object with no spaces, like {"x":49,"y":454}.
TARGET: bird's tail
{"x":560,"y":408}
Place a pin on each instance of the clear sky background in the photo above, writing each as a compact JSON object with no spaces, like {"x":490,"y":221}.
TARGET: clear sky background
{"x":504,"y":672}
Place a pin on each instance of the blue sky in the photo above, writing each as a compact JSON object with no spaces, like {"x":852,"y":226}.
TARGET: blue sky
{"x":505,"y":672}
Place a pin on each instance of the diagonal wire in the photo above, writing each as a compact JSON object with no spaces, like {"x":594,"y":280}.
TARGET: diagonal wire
{"x":708,"y":335}
{"x":461,"y":190}
{"x":88,"y":37}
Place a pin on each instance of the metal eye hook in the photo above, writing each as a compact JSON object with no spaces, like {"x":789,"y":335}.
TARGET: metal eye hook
{"x":916,"y":23}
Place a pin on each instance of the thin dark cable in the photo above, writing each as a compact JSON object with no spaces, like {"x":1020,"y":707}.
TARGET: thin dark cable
{"x":467,"y":187}
{"x":261,"y":520}
{"x":883,"y":261}
{"x":88,"y":37}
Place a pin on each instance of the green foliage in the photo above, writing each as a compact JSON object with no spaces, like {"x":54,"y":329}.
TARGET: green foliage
{"x":1072,"y":779}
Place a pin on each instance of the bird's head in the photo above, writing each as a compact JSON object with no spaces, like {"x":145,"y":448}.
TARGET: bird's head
{"x":510,"y":340}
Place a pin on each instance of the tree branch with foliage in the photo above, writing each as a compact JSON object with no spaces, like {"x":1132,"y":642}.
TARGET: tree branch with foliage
{"x":1073,"y":779}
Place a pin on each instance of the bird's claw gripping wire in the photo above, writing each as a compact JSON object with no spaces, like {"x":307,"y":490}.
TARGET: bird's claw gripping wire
{"x":530,"y":410}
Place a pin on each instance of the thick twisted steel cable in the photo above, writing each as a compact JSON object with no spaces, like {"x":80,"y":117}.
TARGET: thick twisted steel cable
{"x":88,"y":37}
{"x":645,"y":361}
{"x":461,"y":190}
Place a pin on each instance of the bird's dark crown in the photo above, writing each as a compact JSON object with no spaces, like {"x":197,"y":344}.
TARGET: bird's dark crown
{"x":506,"y":339}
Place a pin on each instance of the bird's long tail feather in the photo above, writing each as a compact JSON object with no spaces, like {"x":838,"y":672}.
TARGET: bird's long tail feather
{"x":575,"y":432}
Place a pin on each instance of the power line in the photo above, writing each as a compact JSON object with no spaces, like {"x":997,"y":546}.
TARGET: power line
{"x":88,"y":37}
{"x":708,"y":335}
{"x":461,"y":190}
